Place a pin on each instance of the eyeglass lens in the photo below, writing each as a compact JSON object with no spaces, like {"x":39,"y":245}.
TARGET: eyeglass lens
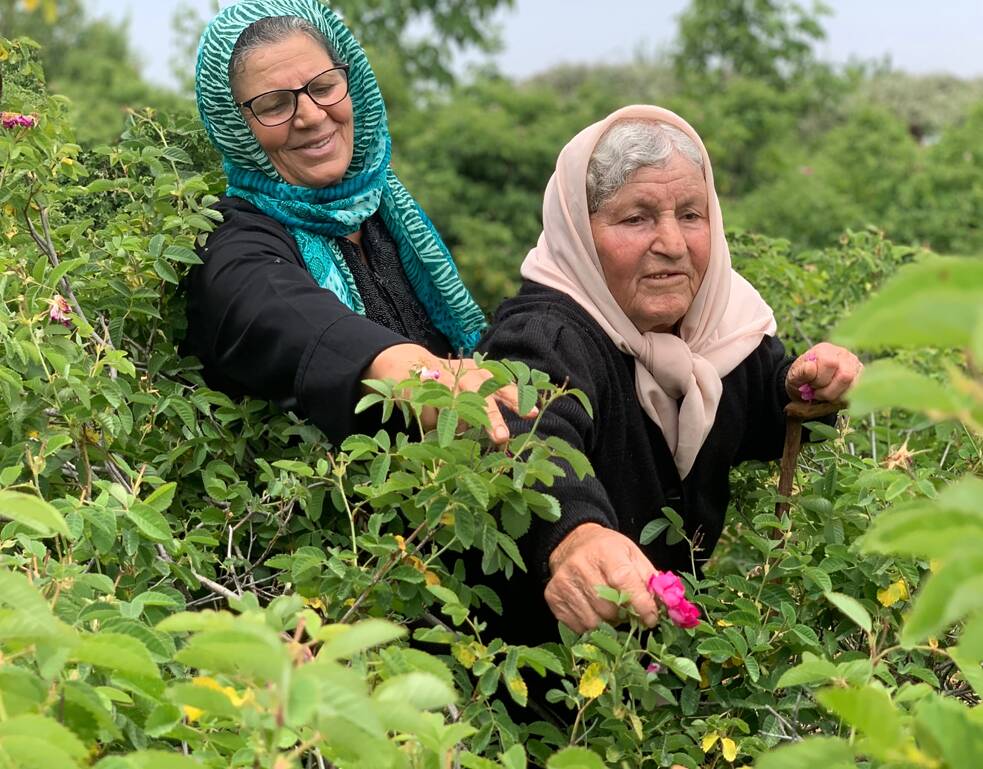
{"x":277,"y":107}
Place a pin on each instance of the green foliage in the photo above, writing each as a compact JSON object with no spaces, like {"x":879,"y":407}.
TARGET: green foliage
{"x":768,"y":40}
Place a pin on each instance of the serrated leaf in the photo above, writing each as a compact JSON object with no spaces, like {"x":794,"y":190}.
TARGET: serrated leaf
{"x":946,"y":597}
{"x":345,"y":641}
{"x":652,"y":530}
{"x":32,"y":512}
{"x":115,"y":651}
{"x":575,"y":758}
{"x":446,"y":426}
{"x":151,"y":523}
{"x":809,"y":753}
{"x":870,"y":711}
{"x":420,"y":690}
{"x":852,"y":608}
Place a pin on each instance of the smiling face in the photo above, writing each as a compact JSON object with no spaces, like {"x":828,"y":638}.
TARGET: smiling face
{"x":653,"y":240}
{"x":314,"y":148}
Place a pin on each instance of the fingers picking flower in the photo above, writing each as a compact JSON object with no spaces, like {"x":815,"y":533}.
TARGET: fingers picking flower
{"x":807,"y":393}
{"x":59,"y":311}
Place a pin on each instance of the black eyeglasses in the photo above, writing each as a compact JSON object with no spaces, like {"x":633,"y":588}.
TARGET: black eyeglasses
{"x":274,"y":108}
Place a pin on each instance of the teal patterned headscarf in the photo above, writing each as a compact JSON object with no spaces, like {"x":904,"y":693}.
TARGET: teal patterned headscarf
{"x":316,"y":216}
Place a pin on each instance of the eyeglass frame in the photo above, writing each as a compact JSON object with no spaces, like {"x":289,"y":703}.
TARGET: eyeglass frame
{"x":248,"y":103}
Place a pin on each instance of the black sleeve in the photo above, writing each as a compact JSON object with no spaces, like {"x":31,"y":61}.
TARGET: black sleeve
{"x":263,"y":327}
{"x":765,"y":370}
{"x":542,"y":342}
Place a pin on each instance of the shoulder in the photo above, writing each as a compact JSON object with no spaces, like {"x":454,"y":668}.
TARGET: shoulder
{"x":547,"y":330}
{"x":244,"y":227}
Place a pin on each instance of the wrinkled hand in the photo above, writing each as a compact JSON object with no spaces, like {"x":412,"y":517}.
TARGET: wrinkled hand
{"x":828,"y":370}
{"x":403,"y":361}
{"x":589,"y":556}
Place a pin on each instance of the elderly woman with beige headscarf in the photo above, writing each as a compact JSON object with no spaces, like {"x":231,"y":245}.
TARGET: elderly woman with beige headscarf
{"x":629,"y":295}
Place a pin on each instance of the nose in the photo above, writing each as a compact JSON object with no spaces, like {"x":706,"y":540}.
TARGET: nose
{"x":668,"y":240}
{"x":308,"y":112}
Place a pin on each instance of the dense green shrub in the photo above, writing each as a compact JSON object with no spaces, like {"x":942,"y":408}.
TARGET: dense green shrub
{"x":190,"y":581}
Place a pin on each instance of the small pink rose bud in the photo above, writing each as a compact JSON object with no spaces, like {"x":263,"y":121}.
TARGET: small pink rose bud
{"x":654,"y":668}
{"x":429,"y":374}
{"x":807,"y":393}
{"x":810,"y":356}
{"x":59,"y":311}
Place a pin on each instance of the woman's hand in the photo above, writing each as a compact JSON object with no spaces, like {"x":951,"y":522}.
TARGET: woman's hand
{"x":823,"y":373}
{"x":593,"y":555}
{"x":403,"y":361}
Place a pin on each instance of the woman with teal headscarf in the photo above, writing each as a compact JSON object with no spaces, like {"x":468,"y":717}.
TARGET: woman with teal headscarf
{"x":325,"y":270}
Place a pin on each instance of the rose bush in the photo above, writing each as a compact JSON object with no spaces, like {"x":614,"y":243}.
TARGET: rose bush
{"x":192,"y":581}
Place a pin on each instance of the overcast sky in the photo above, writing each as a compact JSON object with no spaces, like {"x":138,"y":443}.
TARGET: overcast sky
{"x":918,"y":37}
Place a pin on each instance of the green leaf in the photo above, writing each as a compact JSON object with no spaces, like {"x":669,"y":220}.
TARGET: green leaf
{"x":652,"y":530}
{"x":931,"y":528}
{"x":29,"y":752}
{"x":575,"y":758}
{"x":888,"y":384}
{"x":933,"y":303}
{"x":717,"y":649}
{"x":852,"y":608}
{"x":246,"y":649}
{"x":946,"y":597}
{"x":181,"y":254}
{"x":810,"y":753}
{"x":514,"y":758}
{"x":951,"y":729}
{"x":32,"y":512}
{"x":150,"y":522}
{"x":345,"y":641}
{"x":811,"y":670}
{"x":818,"y":577}
{"x":420,"y":690}
{"x":446,"y":426}
{"x":682,"y":667}
{"x":47,"y":729}
{"x":162,"y":497}
{"x":116,"y":651}
{"x":176,"y":155}
{"x":870,"y":711}
{"x":162,"y":719}
{"x":204,"y":698}
{"x":156,"y":246}
{"x":157,"y":759}
{"x":165,"y":271}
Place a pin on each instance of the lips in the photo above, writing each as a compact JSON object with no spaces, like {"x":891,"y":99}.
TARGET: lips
{"x":315,"y":144}
{"x":664,"y":275}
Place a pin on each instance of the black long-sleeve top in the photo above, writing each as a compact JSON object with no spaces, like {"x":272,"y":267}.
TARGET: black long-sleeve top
{"x":635,"y":473}
{"x":262,"y":326}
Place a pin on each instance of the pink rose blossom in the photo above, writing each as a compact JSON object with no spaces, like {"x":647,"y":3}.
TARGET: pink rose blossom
{"x":429,"y":374}
{"x":685,"y":614}
{"x":806,"y":392}
{"x":14,"y":120}
{"x":654,"y":668}
{"x":810,"y":356}
{"x":59,"y":311}
{"x":669,"y":589}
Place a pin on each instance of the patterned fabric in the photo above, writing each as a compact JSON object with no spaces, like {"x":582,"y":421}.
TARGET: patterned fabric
{"x":315,"y":217}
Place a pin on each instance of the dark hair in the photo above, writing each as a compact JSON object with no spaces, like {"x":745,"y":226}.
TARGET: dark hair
{"x":272,"y":30}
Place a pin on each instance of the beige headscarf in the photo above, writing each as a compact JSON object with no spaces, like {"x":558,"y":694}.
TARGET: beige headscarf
{"x":725,"y":323}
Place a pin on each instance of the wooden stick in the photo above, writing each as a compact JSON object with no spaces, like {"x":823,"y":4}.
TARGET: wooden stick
{"x":795,"y":414}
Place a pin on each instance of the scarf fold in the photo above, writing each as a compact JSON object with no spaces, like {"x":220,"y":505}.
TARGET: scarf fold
{"x":315,"y":217}
{"x":677,"y":378}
